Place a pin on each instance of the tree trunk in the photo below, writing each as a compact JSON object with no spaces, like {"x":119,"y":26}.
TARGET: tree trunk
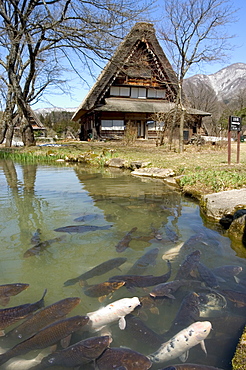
{"x":181,"y":131}
{"x":173,"y":125}
{"x":8,"y":120}
{"x":26,"y":129}
{"x":3,"y":130}
{"x":182,"y":116}
{"x":9,"y":135}
{"x":27,"y":134}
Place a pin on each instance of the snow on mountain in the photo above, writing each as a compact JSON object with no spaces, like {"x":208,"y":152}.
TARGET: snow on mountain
{"x":226,"y":83}
{"x":53,"y":109}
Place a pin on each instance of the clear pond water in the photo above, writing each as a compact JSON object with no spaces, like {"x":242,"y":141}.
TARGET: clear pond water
{"x":44,"y":197}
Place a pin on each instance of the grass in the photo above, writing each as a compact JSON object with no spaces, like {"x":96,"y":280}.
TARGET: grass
{"x":202,"y":169}
{"x":29,"y":155}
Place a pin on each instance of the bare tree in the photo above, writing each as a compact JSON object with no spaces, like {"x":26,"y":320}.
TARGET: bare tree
{"x":161,"y":121}
{"x":239,"y":102}
{"x":38,"y":38}
{"x":194,"y":33}
{"x":201,"y":96}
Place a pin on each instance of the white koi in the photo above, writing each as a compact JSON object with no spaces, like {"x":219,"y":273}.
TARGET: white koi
{"x":113,"y":312}
{"x":172,"y":252}
{"x":179,"y":345}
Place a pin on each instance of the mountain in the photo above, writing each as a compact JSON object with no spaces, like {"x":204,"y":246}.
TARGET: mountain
{"x":226,"y":83}
{"x":53,"y":109}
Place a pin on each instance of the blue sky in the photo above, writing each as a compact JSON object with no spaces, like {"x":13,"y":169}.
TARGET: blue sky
{"x":79,"y":89}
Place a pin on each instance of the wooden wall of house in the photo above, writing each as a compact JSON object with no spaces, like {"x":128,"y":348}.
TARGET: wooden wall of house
{"x":90,"y":124}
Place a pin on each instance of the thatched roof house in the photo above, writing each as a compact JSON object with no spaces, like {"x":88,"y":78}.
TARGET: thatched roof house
{"x":33,"y":118}
{"x":137,"y":83}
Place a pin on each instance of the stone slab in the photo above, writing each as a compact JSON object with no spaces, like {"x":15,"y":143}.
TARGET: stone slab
{"x":156,"y":172}
{"x":216,"y":205}
{"x":117,"y":162}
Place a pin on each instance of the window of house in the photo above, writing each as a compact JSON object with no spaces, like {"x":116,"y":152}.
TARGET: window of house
{"x":112,"y":124}
{"x":124,"y":91}
{"x":119,"y":91}
{"x":151,"y":125}
{"x":155,"y":126}
{"x":156,"y":94}
{"x":160,"y":94}
{"x":138,"y":92}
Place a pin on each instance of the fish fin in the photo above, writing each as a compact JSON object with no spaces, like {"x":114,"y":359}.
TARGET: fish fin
{"x":100,"y":328}
{"x":122,"y":323}
{"x":66,"y":341}
{"x":194,"y":274}
{"x":239,"y":304}
{"x":237,"y":279}
{"x":53,"y":348}
{"x":83,"y":283}
{"x":169,"y":295}
{"x":203,"y":346}
{"x":220,"y":279}
{"x":2,"y":333}
{"x":4,"y":300}
{"x":154,"y":310}
{"x":184,"y":356}
{"x":102,"y":298}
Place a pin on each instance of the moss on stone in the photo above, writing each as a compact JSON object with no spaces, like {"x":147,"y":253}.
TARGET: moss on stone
{"x":239,"y":359}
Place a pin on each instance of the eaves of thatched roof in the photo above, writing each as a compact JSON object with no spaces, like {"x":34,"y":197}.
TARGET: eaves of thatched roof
{"x":141,"y":32}
{"x":144,"y":106}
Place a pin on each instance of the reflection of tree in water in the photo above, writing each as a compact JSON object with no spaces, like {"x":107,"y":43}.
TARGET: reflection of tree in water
{"x":27,"y":207}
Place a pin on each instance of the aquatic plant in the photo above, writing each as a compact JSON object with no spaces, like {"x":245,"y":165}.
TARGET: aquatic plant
{"x":29,"y":157}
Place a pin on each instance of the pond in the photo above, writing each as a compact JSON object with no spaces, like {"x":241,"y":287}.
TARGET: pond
{"x":108,"y":213}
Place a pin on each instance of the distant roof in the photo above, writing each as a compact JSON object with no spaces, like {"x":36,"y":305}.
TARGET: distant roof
{"x":141,"y":32}
{"x":36,"y":123}
{"x":142,"y":105}
{"x":34,"y":120}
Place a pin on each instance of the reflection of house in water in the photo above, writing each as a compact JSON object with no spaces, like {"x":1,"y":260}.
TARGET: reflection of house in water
{"x":123,"y":197}
{"x":137,"y":83}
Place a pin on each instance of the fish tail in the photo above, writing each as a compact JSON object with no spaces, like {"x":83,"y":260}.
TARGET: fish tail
{"x":70,"y":282}
{"x":39,"y":366}
{"x":5,"y":357}
{"x":169,"y":264}
{"x":40,"y":303}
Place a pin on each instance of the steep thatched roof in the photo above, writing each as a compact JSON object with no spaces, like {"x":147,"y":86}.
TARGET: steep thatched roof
{"x":141,"y":32}
{"x":35,"y":121}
